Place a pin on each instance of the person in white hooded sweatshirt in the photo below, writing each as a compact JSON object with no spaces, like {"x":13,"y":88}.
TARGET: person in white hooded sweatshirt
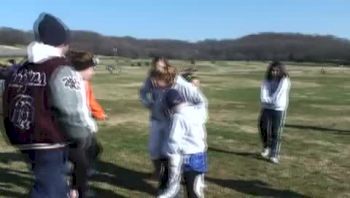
{"x":45,"y":107}
{"x":274,"y":101}
{"x":186,"y":147}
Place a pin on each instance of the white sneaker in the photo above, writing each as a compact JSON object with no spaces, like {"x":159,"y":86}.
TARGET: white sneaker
{"x":73,"y":193}
{"x":266,"y":153}
{"x":274,"y":160}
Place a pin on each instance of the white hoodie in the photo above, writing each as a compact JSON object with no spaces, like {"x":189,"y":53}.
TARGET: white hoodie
{"x":40,"y":52}
{"x":187,"y":134}
{"x":275,"y":98}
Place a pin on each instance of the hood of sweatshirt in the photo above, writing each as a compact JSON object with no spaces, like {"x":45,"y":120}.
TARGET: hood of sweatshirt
{"x":40,"y":52}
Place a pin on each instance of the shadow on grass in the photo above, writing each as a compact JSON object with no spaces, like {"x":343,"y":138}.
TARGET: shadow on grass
{"x":316,"y":128}
{"x":110,"y":173}
{"x":123,"y":178}
{"x":255,"y":188}
{"x":238,"y":153}
{"x":11,"y":178}
{"x":106,"y":193}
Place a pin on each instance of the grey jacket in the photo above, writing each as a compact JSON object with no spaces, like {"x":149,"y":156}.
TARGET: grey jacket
{"x":68,"y":95}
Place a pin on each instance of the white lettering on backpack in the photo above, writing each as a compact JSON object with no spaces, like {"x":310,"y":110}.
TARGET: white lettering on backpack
{"x":27,"y":78}
{"x":22,"y":115}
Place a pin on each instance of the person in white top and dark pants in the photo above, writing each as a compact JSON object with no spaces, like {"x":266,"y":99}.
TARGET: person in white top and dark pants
{"x":274,"y":102}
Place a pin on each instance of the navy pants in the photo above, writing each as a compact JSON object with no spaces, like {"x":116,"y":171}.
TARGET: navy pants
{"x":49,"y":169}
{"x":271,"y":124}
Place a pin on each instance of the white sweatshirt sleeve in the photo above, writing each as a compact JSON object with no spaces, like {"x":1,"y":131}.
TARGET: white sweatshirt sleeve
{"x":264,"y":94}
{"x":192,"y":95}
{"x":282,"y":91}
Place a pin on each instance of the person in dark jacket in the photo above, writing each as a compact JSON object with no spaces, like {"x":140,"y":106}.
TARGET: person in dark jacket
{"x":44,"y":106}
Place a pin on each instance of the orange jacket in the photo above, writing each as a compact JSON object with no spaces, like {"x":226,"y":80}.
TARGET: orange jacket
{"x":96,"y":110}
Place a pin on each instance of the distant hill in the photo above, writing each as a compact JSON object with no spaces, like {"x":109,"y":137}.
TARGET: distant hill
{"x":262,"y":46}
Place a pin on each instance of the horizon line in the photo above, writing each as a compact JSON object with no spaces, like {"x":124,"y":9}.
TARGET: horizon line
{"x":195,"y":41}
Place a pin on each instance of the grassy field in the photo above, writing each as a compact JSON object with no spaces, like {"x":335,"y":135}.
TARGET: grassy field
{"x":315,"y":158}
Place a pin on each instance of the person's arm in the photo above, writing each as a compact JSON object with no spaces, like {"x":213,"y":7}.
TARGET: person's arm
{"x":193,"y":96}
{"x":145,"y":93}
{"x":4,"y":73}
{"x":68,"y":100}
{"x":264,"y":94}
{"x":281,"y":91}
{"x":95,"y":108}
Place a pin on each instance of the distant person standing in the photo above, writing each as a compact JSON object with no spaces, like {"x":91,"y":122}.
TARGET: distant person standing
{"x":274,"y":98}
{"x":45,"y":107}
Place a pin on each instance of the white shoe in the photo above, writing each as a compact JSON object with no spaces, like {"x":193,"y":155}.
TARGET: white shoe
{"x":274,"y":160}
{"x":266,"y":153}
{"x":73,"y":193}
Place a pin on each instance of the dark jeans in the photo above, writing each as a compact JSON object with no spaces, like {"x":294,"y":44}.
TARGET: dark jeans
{"x":49,"y":169}
{"x":94,"y":150}
{"x":163,"y":174}
{"x":271,"y":124}
{"x":83,"y":154}
{"x":81,"y":164}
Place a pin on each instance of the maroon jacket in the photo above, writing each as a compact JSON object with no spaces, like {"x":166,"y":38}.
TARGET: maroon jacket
{"x":28,"y":116}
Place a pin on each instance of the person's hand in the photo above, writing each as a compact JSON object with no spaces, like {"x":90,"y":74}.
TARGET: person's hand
{"x":102,"y":118}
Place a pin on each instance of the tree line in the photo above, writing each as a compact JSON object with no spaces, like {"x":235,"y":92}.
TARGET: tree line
{"x":262,"y":46}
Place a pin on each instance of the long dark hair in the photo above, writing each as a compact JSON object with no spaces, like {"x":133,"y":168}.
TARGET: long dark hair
{"x":276,"y":64}
{"x":168,"y":75}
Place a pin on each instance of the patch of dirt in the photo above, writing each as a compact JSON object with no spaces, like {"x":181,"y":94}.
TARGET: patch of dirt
{"x":248,"y":129}
{"x":332,"y":107}
{"x":302,"y":84}
{"x":319,"y":142}
{"x":114,"y":120}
